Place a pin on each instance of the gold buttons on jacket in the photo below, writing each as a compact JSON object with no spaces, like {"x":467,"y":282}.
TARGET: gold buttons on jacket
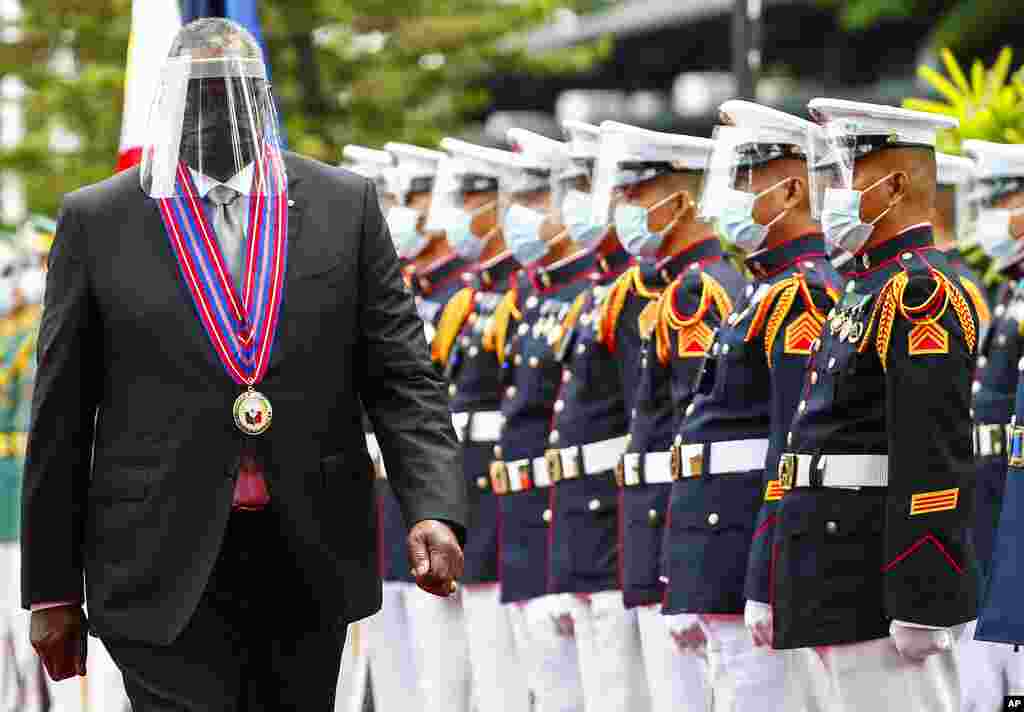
{"x":559,"y":406}
{"x":546,"y":516}
{"x":594,"y":505}
{"x":713,"y":519}
{"x":653,"y":518}
{"x":534,"y":362}
{"x":554,"y":437}
{"x":814,"y":377}
{"x":452,"y":390}
{"x":497,"y":452}
{"x":481,"y":482}
{"x":510,"y":392}
{"x":831,"y":527}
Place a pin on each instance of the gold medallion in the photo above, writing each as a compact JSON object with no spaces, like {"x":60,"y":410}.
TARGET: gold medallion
{"x":252,"y":412}
{"x":837,"y":323}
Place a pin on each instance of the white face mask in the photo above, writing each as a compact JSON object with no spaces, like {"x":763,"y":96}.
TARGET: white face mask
{"x":32,"y":284}
{"x":403,"y":224}
{"x":737,"y":218}
{"x":993,"y":232}
{"x":840,"y":217}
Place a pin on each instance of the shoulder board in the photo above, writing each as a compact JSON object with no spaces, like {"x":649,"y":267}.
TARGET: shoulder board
{"x":496,"y":335}
{"x":927,"y":336}
{"x":978,"y":299}
{"x":455,"y":313}
{"x":683,"y":308}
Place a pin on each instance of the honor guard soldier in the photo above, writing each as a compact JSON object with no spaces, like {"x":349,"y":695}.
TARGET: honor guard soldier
{"x":952,"y":221}
{"x":647,"y":183}
{"x":464,"y":205}
{"x":529,"y":334}
{"x":734,"y":426}
{"x":436,"y":279}
{"x":392,"y":648}
{"x":991,"y":670}
{"x":591,"y":426}
{"x":874,"y":568}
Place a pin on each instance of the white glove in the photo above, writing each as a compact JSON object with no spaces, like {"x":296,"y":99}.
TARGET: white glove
{"x":918,"y":642}
{"x":757,"y":617}
{"x":686,"y":631}
{"x":556,"y":608}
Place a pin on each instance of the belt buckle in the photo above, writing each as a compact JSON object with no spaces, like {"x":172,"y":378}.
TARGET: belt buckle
{"x":996,"y":437}
{"x":1016,"y":446}
{"x":554,"y":460}
{"x":676,"y":462}
{"x":787,"y":471}
{"x":620,"y":472}
{"x":499,"y":478}
{"x":696,"y":463}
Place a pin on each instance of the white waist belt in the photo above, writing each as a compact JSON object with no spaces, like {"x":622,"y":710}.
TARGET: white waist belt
{"x":479,"y":427}
{"x":726,"y":457}
{"x":990,"y":440}
{"x":834,"y":471}
{"x":652,"y":468}
{"x":594,"y":458}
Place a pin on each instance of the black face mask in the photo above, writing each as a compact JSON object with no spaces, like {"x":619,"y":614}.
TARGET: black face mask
{"x":212,"y":140}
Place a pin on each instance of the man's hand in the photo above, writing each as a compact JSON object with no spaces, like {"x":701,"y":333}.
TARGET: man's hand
{"x":917,"y":644}
{"x":687,"y":632}
{"x":58,"y":636}
{"x":435,"y":557}
{"x":758,"y":618}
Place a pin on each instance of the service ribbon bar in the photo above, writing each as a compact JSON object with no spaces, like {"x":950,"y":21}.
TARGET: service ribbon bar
{"x":241,"y":330}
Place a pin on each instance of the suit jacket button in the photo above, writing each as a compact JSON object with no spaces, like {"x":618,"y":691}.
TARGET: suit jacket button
{"x":594,"y":505}
{"x":713,"y":519}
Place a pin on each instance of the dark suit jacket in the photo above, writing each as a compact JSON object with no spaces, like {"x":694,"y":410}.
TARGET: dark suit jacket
{"x":132,"y":449}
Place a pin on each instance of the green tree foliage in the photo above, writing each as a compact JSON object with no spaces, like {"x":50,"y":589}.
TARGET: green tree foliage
{"x":345,"y":71}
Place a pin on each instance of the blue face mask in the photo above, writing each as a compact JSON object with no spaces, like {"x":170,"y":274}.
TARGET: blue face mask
{"x":737,"y":218}
{"x":522,"y":234}
{"x":459,"y":230}
{"x":633,"y":230}
{"x":576,"y":216}
{"x":403,"y":223}
{"x":840,"y":218}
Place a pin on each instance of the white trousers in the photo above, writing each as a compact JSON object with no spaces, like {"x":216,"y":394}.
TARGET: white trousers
{"x":392,"y":656}
{"x":989,"y":672}
{"x":442,"y":654}
{"x":351,"y":689}
{"x":872,"y":676}
{"x":552,"y":663}
{"x":610,"y":654}
{"x":741,"y":675}
{"x":499,"y":678}
{"x":677,"y":681}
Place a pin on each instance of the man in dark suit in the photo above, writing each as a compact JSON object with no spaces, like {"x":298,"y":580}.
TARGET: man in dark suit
{"x":223,"y":554}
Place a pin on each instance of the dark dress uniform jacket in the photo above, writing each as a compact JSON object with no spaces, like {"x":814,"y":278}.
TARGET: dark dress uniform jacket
{"x":747,"y":391}
{"x":898,"y":385}
{"x":653,"y":418}
{"x":474,"y":373}
{"x":531,"y":378}
{"x":590,"y":409}
{"x":431,"y":291}
{"x":132,"y":453}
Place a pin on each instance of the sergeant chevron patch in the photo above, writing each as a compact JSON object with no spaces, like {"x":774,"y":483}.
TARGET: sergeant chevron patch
{"x":774,"y":491}
{"x":931,"y":502}
{"x":928,"y":338}
{"x":694,"y":340}
{"x":801,"y":334}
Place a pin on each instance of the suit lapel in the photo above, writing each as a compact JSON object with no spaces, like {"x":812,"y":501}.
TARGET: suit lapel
{"x":296,"y":209}
{"x":193,"y":328}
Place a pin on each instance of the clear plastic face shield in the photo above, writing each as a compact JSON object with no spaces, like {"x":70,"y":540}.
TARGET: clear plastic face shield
{"x":464,"y":205}
{"x":528,"y":197}
{"x":213,"y":114}
{"x":996,"y":206}
{"x":736,"y":177}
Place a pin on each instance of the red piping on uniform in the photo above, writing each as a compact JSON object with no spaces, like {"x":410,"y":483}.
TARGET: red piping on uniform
{"x":765,"y":526}
{"x":921,"y":542}
{"x":895,"y":258}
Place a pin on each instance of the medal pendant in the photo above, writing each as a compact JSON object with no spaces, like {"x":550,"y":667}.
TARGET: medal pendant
{"x":837,"y":323}
{"x":252,"y":412}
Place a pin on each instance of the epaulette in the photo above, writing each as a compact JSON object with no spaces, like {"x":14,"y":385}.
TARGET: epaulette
{"x":927,"y":336}
{"x":802,"y":332}
{"x":694,"y":336}
{"x":496,"y":335}
{"x":629,"y":281}
{"x":980,"y":306}
{"x":455,"y":313}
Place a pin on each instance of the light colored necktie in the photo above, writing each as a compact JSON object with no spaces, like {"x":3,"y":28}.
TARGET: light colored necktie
{"x":230,"y":232}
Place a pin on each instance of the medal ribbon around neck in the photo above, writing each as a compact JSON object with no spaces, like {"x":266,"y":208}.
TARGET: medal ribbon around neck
{"x":241,"y":331}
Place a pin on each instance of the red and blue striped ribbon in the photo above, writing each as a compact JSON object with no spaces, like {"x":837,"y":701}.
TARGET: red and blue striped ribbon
{"x":241,"y":325}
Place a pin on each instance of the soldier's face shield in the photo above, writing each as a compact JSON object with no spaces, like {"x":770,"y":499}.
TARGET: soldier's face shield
{"x":997,"y":208}
{"x":457,"y":189}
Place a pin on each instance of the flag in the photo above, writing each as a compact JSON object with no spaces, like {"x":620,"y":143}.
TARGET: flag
{"x":154,"y":25}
